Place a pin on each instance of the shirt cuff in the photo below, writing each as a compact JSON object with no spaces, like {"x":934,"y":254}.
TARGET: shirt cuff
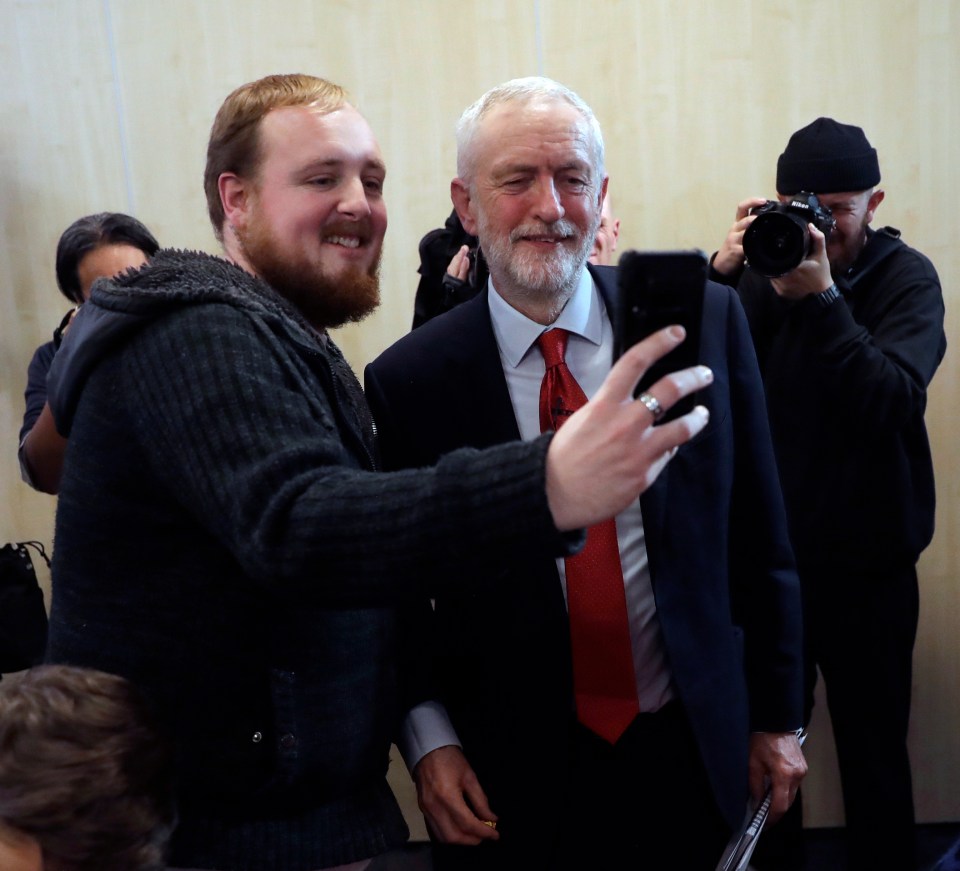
{"x":426,"y":727}
{"x":24,"y":469}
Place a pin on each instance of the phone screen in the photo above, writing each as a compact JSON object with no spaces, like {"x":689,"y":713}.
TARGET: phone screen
{"x":658,"y":289}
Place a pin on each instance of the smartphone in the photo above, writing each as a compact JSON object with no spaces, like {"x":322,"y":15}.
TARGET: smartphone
{"x":658,"y":289}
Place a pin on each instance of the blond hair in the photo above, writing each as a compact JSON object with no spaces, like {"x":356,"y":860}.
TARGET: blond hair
{"x":234,"y":144}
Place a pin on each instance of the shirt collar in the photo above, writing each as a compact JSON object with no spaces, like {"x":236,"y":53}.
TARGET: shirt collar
{"x":516,"y":333}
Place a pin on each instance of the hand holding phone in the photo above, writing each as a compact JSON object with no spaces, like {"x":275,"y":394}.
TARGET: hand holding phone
{"x":659,"y":289}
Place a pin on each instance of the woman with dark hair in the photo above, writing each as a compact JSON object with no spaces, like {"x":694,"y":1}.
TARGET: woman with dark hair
{"x":92,"y":247}
{"x":85,"y":777}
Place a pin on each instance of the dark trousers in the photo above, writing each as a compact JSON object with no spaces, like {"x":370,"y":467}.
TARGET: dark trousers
{"x":644,"y":803}
{"x":860,"y":631}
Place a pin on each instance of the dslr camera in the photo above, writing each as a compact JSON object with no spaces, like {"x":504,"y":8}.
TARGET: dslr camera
{"x":778,"y":239}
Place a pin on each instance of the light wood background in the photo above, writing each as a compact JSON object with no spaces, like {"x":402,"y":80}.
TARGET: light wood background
{"x":106,"y":105}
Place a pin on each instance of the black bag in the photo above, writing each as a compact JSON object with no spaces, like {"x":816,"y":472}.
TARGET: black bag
{"x":23,"y":619}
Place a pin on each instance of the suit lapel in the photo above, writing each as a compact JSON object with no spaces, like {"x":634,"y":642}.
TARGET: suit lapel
{"x":485,"y":413}
{"x":485,"y":417}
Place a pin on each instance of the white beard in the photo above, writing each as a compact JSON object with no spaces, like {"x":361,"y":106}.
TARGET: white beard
{"x":537,"y":276}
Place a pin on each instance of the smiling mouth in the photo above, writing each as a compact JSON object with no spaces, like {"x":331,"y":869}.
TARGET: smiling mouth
{"x":557,"y":233}
{"x":344,"y":241}
{"x":538,"y":239}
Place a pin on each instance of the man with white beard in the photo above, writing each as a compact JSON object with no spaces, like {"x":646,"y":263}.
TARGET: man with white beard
{"x":609,"y":709}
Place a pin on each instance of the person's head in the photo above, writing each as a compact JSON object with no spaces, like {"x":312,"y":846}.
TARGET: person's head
{"x":100,"y":246}
{"x":85,"y":779}
{"x":294,"y":184}
{"x":605,"y":245}
{"x":530,"y":183}
{"x":837,"y":163}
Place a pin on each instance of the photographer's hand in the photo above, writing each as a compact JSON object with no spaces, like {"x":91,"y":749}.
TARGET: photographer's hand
{"x":813,"y":273}
{"x":729,"y":259}
{"x":459,"y":266}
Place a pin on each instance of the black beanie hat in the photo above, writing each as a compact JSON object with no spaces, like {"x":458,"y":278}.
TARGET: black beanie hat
{"x":827,"y":157}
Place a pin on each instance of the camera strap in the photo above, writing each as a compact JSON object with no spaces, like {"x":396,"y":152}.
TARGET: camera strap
{"x":882,"y":244}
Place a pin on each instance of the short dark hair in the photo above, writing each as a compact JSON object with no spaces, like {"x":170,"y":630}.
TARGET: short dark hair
{"x":91,"y":232}
{"x":84,"y":771}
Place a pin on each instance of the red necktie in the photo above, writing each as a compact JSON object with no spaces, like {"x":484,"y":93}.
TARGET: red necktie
{"x":604,"y":683}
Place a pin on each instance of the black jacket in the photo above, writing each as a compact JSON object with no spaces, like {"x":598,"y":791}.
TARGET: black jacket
{"x":846,"y":390}
{"x":722,"y":570}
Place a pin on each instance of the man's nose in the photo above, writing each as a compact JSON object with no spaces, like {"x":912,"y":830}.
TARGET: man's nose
{"x":353,"y":200}
{"x":548,"y":205}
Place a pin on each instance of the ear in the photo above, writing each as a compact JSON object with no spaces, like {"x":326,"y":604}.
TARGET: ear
{"x":235,"y":198}
{"x":875,"y":199}
{"x":463,"y":203}
{"x":603,"y":191}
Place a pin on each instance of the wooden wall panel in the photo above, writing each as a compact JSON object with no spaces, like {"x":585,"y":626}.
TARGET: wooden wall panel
{"x":106,"y":105}
{"x":59,"y":158}
{"x":437,"y":58}
{"x":712,"y":94}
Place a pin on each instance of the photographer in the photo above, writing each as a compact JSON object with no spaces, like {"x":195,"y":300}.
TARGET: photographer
{"x":848,"y":341}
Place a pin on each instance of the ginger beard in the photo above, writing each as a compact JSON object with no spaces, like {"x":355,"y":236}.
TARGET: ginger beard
{"x":327,"y":301}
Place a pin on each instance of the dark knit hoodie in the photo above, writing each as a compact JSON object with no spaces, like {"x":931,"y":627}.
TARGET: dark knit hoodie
{"x":224,"y":540}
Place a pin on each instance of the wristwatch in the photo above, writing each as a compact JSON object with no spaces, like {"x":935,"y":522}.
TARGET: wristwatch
{"x":827,"y":297}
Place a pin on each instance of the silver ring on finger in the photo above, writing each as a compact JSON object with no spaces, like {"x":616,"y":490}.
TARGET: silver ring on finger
{"x":652,"y":405}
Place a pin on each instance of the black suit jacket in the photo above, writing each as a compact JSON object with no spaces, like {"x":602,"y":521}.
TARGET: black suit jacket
{"x":721,"y":565}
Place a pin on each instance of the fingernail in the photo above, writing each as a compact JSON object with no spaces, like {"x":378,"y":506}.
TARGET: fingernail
{"x":706,"y":373}
{"x":677,"y":332}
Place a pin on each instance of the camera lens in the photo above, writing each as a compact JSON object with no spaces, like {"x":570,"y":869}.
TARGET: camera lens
{"x":775,"y":243}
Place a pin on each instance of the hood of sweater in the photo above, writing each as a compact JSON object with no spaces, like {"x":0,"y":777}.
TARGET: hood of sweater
{"x":120,"y":307}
